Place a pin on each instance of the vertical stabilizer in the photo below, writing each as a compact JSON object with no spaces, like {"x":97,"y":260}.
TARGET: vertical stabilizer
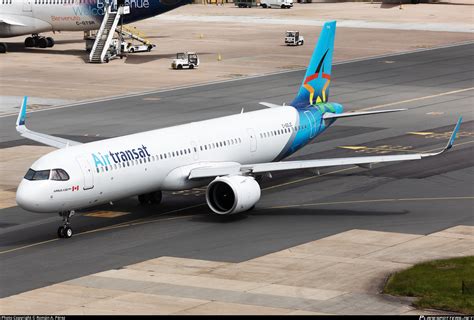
{"x":315,"y":86}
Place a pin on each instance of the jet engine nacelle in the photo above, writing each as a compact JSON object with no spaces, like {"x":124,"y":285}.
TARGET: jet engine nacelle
{"x":232,"y":194}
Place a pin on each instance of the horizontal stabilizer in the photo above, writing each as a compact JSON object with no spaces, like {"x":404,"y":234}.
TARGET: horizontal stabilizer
{"x":270,"y":105}
{"x":329,"y":115}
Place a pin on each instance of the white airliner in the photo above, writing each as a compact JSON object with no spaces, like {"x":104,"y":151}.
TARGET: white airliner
{"x":23,"y":17}
{"x":227,"y":154}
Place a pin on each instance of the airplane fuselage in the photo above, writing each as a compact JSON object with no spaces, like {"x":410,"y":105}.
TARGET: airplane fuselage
{"x":112,"y":169}
{"x":36,"y":16}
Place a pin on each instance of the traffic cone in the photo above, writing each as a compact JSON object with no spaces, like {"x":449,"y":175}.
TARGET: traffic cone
{"x":219,"y":57}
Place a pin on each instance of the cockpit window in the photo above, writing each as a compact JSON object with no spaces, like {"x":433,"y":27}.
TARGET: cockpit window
{"x":29,"y":175}
{"x":37,"y":175}
{"x":59,"y":175}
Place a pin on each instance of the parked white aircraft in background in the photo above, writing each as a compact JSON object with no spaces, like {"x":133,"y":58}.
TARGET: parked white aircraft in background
{"x":23,"y":17}
{"x":226,"y":153}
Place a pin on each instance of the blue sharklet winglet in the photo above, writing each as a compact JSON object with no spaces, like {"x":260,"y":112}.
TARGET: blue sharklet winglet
{"x":22,"y":115}
{"x":450,"y":142}
{"x":46,"y":139}
{"x":454,"y":134}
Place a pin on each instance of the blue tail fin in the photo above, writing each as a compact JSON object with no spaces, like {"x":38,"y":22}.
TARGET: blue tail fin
{"x":315,"y":85}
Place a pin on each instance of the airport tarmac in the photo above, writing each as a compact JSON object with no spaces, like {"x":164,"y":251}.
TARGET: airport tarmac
{"x":416,"y":198}
{"x":231,"y":43}
{"x":339,"y":274}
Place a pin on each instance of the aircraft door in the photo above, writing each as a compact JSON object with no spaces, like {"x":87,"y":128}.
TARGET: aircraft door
{"x":86,"y":172}
{"x":312,"y":123}
{"x":194,"y":150}
{"x":253,"y":140}
{"x":27,"y":5}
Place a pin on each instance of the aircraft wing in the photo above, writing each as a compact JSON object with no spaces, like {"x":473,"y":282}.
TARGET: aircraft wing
{"x":209,"y":171}
{"x":10,"y":20}
{"x":46,"y":139}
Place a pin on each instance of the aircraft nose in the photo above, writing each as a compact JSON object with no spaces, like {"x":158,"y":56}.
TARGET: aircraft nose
{"x":27,"y":196}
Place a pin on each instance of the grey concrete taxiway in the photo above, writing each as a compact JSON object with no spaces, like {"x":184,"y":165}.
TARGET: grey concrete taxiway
{"x":417,"y":197}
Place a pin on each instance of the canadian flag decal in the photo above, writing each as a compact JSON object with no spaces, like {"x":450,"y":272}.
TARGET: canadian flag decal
{"x":75,"y":188}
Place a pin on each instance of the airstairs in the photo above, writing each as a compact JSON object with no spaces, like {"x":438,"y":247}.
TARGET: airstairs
{"x":101,"y":51}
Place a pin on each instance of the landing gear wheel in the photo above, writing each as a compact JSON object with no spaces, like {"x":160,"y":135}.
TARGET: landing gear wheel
{"x":3,"y":47}
{"x":61,"y":232}
{"x":42,"y":42}
{"x":264,"y":6}
{"x":67,"y":232}
{"x":50,"y":42}
{"x":30,"y":42}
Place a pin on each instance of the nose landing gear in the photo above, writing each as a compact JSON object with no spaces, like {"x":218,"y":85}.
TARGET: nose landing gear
{"x":65,"y":231}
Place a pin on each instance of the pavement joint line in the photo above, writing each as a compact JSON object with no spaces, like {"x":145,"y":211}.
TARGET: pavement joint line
{"x":416,"y":99}
{"x":371,"y":201}
{"x":144,"y":93}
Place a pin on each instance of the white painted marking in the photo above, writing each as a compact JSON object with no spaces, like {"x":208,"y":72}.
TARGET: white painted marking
{"x":416,"y":99}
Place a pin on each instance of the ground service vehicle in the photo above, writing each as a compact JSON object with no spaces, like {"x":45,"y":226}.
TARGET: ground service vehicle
{"x":276,"y":3}
{"x":131,"y":48}
{"x":185,"y":60}
{"x":293,"y":38}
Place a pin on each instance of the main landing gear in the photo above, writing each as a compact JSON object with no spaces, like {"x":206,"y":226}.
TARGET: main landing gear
{"x":150,"y":198}
{"x":65,"y":231}
{"x":39,"y":41}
